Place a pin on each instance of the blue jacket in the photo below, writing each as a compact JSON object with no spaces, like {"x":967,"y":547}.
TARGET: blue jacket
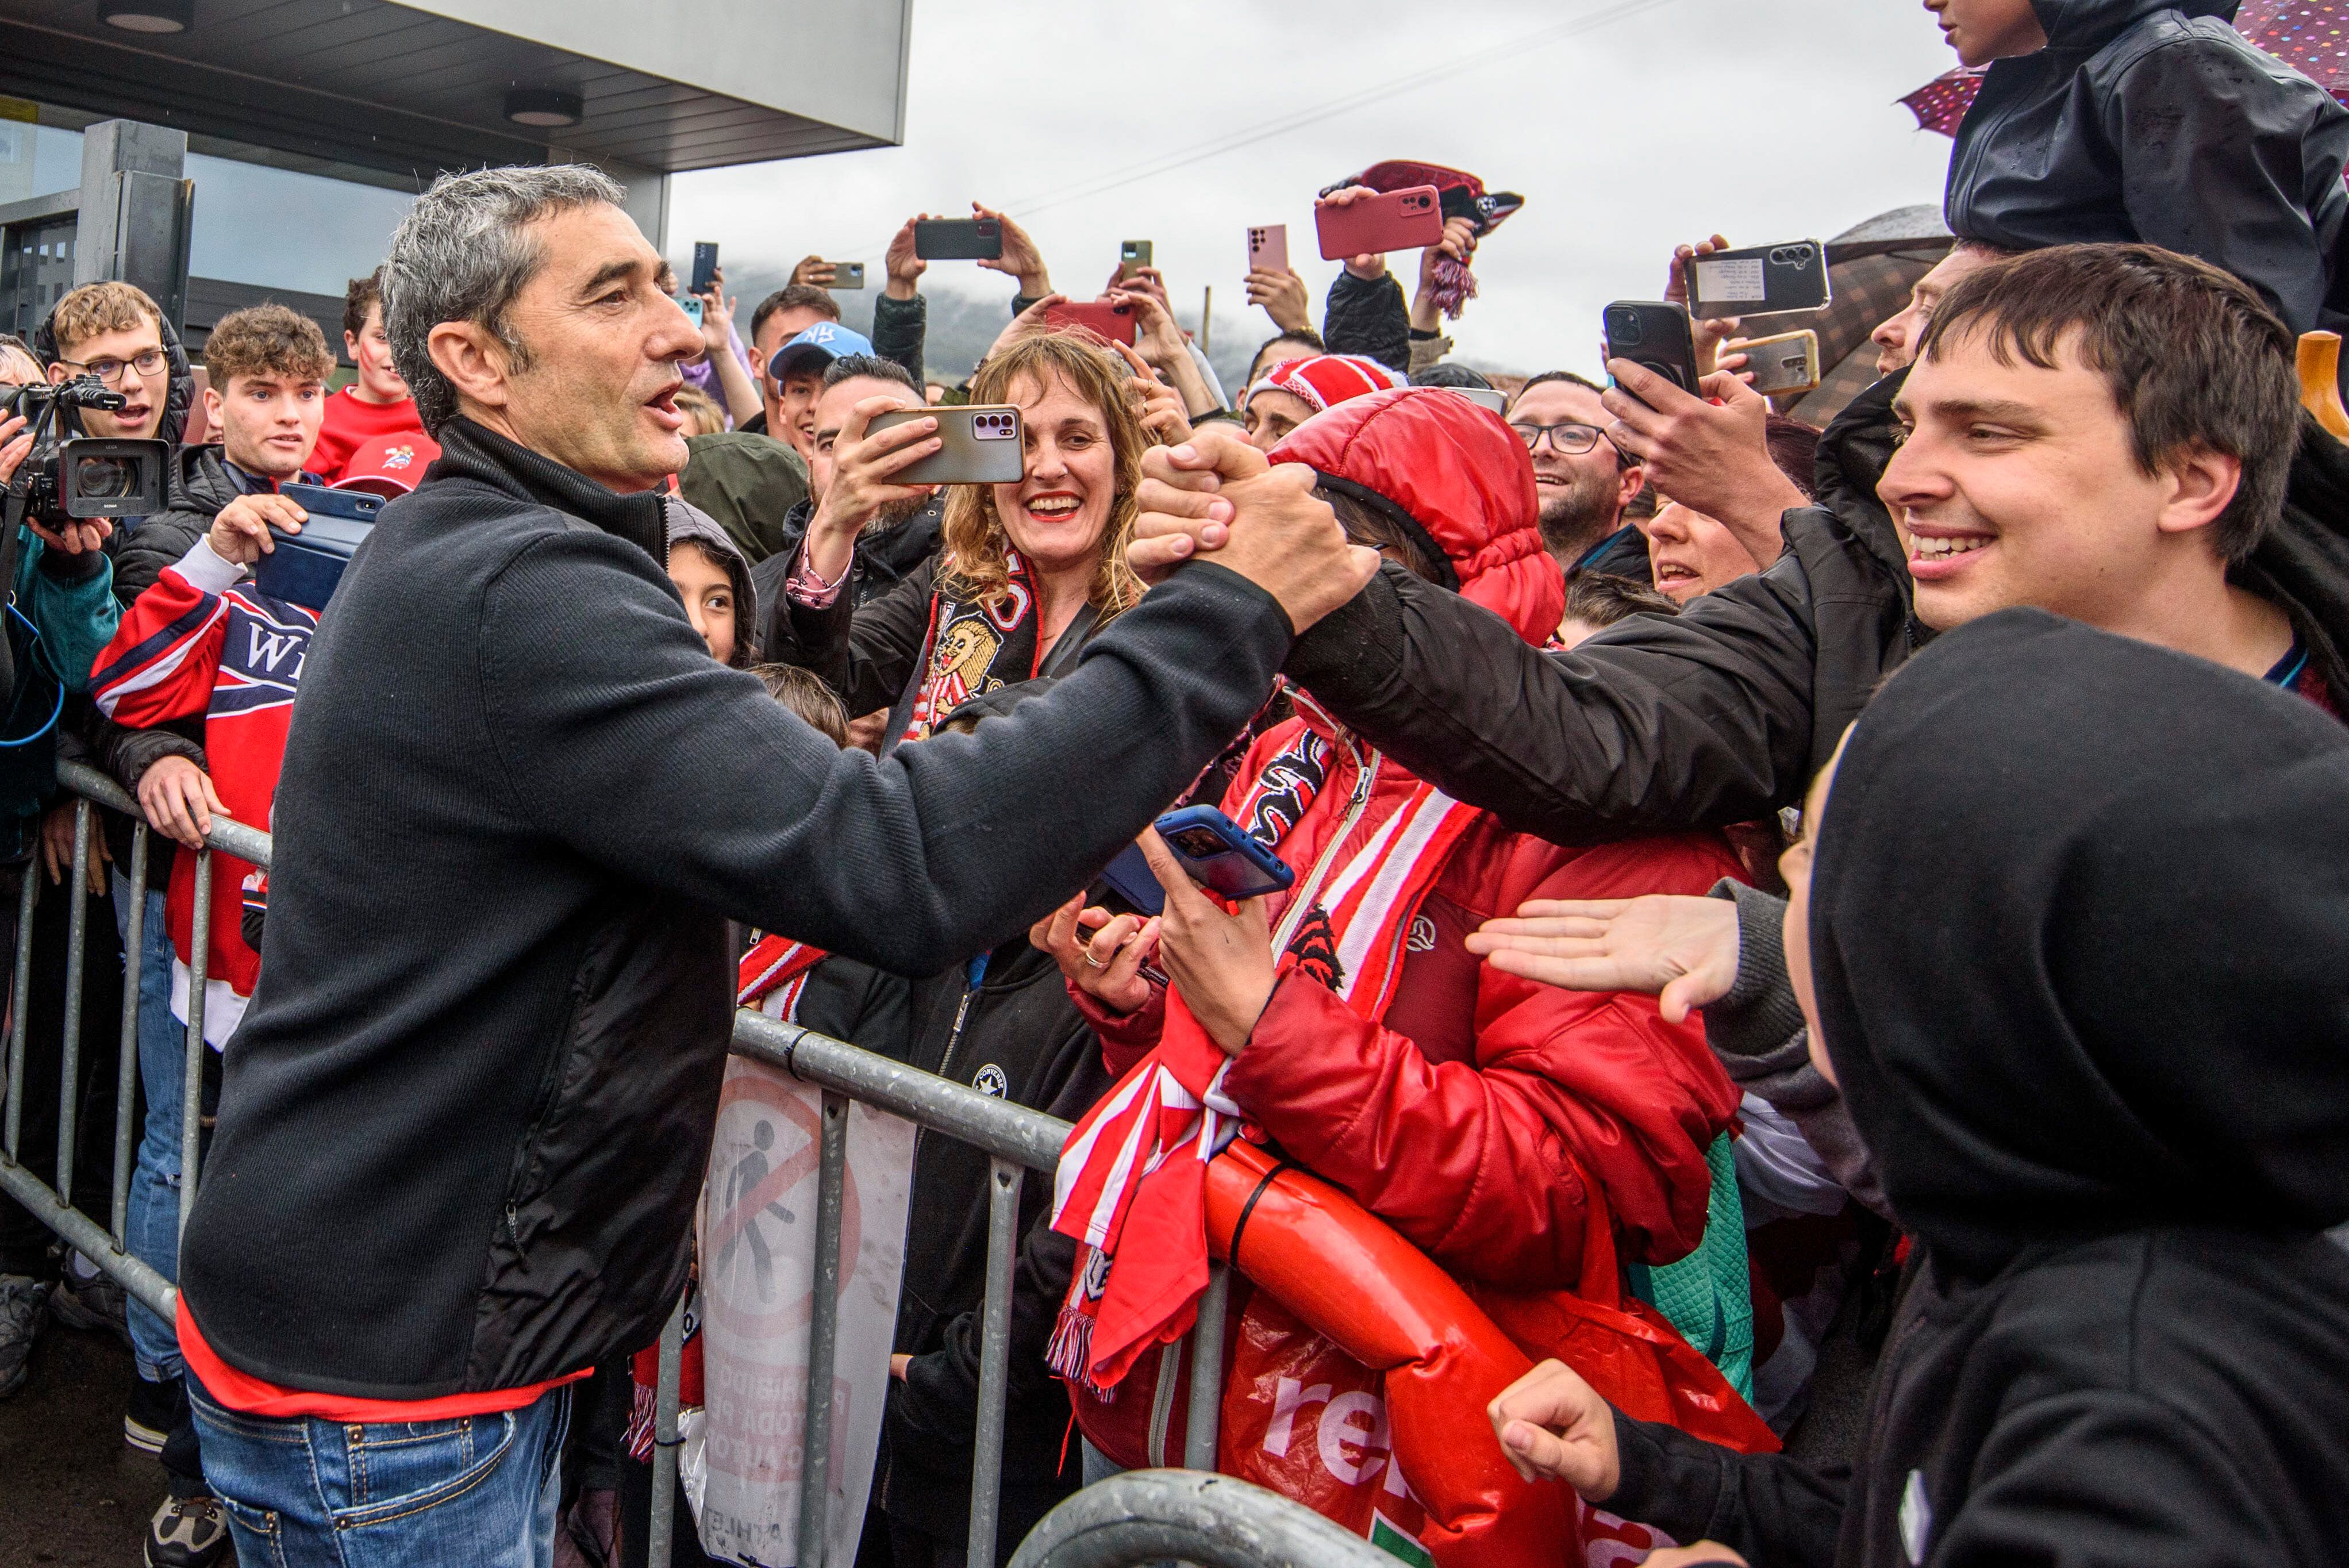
{"x":75,"y":614}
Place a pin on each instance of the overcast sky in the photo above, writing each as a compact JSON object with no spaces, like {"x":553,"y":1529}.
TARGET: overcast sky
{"x":1627,"y":125}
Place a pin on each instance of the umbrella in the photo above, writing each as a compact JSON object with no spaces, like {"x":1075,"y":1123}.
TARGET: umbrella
{"x":2310,"y":35}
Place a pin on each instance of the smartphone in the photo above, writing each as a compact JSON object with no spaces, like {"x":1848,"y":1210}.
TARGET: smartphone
{"x":1782,"y":362}
{"x":1655,"y":336}
{"x":1268,"y":247}
{"x":1212,"y":849}
{"x":1131,"y":257}
{"x":846,"y":275}
{"x":691,"y":306}
{"x":980,"y":446}
{"x":305,"y":568}
{"x":1114,"y":322}
{"x":1760,"y":281}
{"x":1405,"y":220}
{"x":705,"y":267}
{"x":1491,"y":398}
{"x":959,"y":239}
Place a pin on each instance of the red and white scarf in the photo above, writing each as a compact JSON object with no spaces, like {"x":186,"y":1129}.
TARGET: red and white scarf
{"x":1131,"y":1182}
{"x":773,"y":974}
{"x":973,"y":646}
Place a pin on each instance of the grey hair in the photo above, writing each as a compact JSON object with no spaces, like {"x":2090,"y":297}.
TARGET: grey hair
{"x":460,"y":255}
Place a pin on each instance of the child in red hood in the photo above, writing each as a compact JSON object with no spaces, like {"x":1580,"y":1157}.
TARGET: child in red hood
{"x":1497,"y":1125}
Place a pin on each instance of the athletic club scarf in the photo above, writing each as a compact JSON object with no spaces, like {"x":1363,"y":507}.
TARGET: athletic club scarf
{"x":1132,"y":1182}
{"x":973,"y":647}
{"x":773,"y":974}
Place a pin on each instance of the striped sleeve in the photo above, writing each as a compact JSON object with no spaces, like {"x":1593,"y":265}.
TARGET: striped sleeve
{"x":166,"y":654}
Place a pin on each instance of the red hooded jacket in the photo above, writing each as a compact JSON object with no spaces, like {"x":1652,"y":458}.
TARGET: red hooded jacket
{"x":1467,"y":1116}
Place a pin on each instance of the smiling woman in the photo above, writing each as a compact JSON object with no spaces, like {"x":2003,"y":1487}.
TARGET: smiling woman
{"x":1029,"y":570}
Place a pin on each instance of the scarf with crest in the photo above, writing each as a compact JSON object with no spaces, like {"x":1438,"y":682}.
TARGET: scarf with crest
{"x":973,"y":647}
{"x":1132,"y":1182}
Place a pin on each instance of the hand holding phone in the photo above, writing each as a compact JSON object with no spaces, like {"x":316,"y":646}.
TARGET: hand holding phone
{"x":847,"y":274}
{"x":1131,"y":257}
{"x":959,"y":239}
{"x":1114,"y":323}
{"x":1653,"y":335}
{"x":692,"y":309}
{"x":705,"y":267}
{"x":979,"y":443}
{"x":1759,"y":281}
{"x":1268,"y":247}
{"x":1356,"y":221}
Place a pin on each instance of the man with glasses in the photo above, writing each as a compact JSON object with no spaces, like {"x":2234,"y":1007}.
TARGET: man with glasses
{"x":1585,"y":484}
{"x":113,"y":331}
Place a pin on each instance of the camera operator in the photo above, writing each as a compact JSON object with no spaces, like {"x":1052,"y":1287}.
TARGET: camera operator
{"x":480,"y":1132}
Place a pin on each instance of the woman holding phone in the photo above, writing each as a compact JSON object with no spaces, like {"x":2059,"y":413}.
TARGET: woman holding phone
{"x":1498,"y":1125}
{"x":1028,"y":571}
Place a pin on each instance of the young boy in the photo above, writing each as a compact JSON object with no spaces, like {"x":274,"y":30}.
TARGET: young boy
{"x":375,"y":404}
{"x":197,"y":644}
{"x":2139,"y":119}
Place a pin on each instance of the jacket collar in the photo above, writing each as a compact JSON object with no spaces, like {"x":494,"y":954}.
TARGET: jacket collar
{"x":469,"y":451}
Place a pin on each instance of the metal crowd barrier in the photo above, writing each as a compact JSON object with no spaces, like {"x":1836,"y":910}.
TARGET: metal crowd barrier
{"x":1214,"y":1522}
{"x":1018,"y":1140}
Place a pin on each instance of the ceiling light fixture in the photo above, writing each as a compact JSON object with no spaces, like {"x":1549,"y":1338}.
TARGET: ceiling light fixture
{"x":147,"y":15}
{"x":546,"y":107}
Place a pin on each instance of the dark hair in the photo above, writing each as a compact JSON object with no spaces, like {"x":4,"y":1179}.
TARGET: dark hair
{"x":848,"y":367}
{"x":2193,"y":359}
{"x":265,"y":340}
{"x":1449,"y":375}
{"x":804,"y":693}
{"x":1386,"y":528}
{"x":1533,"y":381}
{"x":1305,"y":337}
{"x":1794,"y":448}
{"x":362,"y":295}
{"x":1602,"y":599}
{"x":795,"y":296}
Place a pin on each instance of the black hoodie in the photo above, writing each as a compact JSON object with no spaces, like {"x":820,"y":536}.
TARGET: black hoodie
{"x":2105,"y":1067}
{"x":2156,"y":120}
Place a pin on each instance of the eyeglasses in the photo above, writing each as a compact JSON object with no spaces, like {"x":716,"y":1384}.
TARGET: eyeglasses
{"x":1571,"y":438}
{"x":110,"y":371}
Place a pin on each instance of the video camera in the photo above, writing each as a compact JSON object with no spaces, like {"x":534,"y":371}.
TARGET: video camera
{"x":81,"y":476}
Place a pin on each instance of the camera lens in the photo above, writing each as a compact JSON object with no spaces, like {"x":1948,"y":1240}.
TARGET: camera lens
{"x":1623,"y":327}
{"x":105,"y":478}
{"x":1199,"y":843}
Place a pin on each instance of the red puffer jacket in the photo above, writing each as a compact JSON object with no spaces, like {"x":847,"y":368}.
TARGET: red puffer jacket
{"x":1479,"y":1113}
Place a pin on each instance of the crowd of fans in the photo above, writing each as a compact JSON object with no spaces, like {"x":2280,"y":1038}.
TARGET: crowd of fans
{"x":1758,"y":884}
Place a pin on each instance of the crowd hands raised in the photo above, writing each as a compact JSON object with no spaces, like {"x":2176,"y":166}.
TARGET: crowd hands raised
{"x":1749,"y":885}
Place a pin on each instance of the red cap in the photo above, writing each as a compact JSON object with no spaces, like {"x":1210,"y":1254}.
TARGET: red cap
{"x":389,"y":466}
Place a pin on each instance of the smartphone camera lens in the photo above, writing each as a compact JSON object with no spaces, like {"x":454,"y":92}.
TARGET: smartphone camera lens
{"x":1623,"y":327}
{"x":1199,"y":843}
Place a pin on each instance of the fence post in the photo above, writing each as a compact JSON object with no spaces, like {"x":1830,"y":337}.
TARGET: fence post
{"x":125,"y":1078}
{"x":1004,"y":1179}
{"x":823,"y":1330}
{"x":192,"y":1102}
{"x":26,"y":902}
{"x":661,"y":1525}
{"x":69,"y":1055}
{"x":1206,"y":1372}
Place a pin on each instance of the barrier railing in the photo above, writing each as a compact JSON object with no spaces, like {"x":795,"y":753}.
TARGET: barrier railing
{"x":1184,"y":1516}
{"x":1017,"y":1140}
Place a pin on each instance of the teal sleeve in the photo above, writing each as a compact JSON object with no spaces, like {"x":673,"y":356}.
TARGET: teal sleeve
{"x":75,"y":619}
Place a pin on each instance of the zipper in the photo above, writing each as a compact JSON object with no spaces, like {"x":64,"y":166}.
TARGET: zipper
{"x":973,"y":974}
{"x":1365,"y":775}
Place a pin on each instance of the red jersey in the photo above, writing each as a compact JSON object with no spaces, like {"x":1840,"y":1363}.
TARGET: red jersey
{"x":203,"y":642}
{"x":351,"y":421}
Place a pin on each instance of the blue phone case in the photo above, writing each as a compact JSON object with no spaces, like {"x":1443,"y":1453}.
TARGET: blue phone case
{"x":1219,"y":856}
{"x":304,"y":567}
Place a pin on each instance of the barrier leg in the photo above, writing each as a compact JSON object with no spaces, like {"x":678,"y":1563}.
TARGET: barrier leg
{"x":125,"y":1077}
{"x":994,"y":1359}
{"x":660,"y":1526}
{"x":1207,"y":1371}
{"x":192,"y":1103}
{"x":18,"y":1009}
{"x":69,"y":1057}
{"x":823,"y":1330}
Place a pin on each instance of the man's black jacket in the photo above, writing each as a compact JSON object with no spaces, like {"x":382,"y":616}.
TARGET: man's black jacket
{"x":467,"y":1116}
{"x":1722,"y":713}
{"x":2157,"y":120}
{"x":885,"y":557}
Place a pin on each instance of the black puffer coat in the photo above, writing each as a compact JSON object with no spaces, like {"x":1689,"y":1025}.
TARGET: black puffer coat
{"x":2156,"y":120}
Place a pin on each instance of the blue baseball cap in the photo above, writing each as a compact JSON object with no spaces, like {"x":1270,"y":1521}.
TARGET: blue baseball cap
{"x":817,"y":347}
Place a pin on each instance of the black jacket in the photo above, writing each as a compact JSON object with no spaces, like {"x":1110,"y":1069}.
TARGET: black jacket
{"x":1368,"y":317}
{"x":1722,"y":713}
{"x":469,"y":1110}
{"x":2156,"y":120}
{"x":1018,"y":1037}
{"x":2078,"y":923}
{"x":885,"y":557}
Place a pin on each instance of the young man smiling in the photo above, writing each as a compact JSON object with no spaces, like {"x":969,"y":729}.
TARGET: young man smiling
{"x":2106,"y":430}
{"x":375,"y":404}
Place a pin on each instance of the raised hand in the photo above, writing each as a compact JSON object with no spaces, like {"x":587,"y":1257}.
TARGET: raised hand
{"x":1680,"y":949}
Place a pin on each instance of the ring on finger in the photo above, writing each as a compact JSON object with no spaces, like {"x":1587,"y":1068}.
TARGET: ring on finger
{"x":1091,"y":961}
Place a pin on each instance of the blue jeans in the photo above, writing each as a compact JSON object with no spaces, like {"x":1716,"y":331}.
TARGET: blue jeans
{"x":302,"y":1492}
{"x":152,"y":1216}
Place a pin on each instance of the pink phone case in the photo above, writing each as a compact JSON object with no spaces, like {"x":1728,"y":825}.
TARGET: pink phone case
{"x":1268,"y":247}
{"x":1405,"y":220}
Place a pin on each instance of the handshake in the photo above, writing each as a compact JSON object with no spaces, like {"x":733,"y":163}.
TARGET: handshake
{"x":1215,"y":498}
